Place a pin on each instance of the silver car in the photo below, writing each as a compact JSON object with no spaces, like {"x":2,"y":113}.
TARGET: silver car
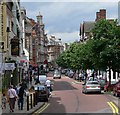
{"x":91,"y":86}
{"x":57,"y":74}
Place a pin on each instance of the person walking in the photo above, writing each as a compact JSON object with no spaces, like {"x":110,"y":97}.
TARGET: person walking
{"x":21,"y":93}
{"x":12,"y":97}
{"x":4,"y":101}
{"x":48,"y":84}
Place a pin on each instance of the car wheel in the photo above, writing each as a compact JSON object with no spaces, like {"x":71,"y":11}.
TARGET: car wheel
{"x":85,"y":92}
{"x":113,"y":93}
{"x":82,"y":91}
{"x":46,"y":99}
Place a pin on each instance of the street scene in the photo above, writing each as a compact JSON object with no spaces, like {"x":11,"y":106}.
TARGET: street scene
{"x":59,"y":57}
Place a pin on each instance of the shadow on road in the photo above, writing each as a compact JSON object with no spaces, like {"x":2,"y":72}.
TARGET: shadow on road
{"x":55,"y":107}
{"x":63,"y":85}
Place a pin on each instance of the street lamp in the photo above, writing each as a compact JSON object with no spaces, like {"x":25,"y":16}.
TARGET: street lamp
{"x":11,"y":76}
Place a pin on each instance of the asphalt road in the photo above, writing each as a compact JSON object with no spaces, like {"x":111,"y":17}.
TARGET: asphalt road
{"x":67,"y":97}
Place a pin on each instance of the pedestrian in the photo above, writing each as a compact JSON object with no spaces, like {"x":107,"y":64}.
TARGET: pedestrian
{"x":30,"y":79}
{"x":48,"y":84}
{"x":80,"y":76}
{"x":12,"y":94}
{"x":24,"y":84}
{"x":21,"y":92}
{"x":4,"y":101}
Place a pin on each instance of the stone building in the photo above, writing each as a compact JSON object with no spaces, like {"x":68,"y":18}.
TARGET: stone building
{"x":55,"y":48}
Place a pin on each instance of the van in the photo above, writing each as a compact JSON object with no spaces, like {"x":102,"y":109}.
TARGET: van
{"x":42,"y":79}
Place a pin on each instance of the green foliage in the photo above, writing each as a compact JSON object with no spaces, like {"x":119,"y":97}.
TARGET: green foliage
{"x":100,"y":52}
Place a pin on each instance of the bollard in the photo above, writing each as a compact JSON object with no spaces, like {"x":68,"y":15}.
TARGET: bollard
{"x":34,"y":100}
{"x":37,"y":93}
{"x":27,"y":103}
{"x":31,"y":100}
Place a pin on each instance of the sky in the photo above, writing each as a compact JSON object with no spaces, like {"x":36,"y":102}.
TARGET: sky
{"x":62,"y":19}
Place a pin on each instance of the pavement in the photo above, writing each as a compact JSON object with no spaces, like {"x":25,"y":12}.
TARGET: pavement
{"x":16,"y":110}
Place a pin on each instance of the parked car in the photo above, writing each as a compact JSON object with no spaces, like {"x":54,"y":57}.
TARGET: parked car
{"x":106,"y":86}
{"x":91,"y":86}
{"x":67,"y":72}
{"x":64,"y":71}
{"x":116,"y":89}
{"x":102,"y":82}
{"x":71,"y":74}
{"x":42,"y":92}
{"x":57,"y":74}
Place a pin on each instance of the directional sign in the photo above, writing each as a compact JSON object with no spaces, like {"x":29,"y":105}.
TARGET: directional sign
{"x":7,"y":66}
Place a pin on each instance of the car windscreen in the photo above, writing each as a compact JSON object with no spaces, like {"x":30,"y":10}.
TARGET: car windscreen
{"x":57,"y":72}
{"x":92,"y":83}
{"x":40,"y":88}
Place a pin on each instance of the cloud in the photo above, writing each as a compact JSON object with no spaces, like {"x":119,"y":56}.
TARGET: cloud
{"x":64,"y":18}
{"x":67,"y":37}
{"x":69,"y":0}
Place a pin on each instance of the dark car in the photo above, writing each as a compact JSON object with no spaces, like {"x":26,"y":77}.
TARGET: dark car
{"x":102,"y":82}
{"x":42,"y":92}
{"x":116,"y":89}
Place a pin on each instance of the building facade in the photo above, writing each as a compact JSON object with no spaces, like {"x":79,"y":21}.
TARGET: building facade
{"x":11,"y":37}
{"x":55,"y":48}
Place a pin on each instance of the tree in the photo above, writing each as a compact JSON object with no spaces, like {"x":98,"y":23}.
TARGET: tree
{"x":106,"y":47}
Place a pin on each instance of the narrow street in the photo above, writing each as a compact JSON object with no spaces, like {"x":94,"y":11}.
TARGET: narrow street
{"x":67,"y":97}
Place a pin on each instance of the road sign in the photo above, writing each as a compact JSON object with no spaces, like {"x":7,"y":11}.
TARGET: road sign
{"x":7,"y":66}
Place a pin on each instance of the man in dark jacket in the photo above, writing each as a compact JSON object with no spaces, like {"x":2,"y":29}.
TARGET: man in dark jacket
{"x":21,"y":97}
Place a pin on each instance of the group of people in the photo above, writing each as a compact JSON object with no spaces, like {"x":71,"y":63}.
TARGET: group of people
{"x":14,"y":94}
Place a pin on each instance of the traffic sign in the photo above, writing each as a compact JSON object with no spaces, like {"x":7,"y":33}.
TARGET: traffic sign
{"x":7,"y":66}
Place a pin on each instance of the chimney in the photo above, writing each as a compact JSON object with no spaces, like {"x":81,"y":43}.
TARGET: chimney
{"x":39,"y":19}
{"x":103,"y":13}
{"x":97,"y":16}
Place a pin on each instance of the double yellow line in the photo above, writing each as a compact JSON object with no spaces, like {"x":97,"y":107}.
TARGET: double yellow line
{"x":114,"y":108}
{"x":41,"y":109}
